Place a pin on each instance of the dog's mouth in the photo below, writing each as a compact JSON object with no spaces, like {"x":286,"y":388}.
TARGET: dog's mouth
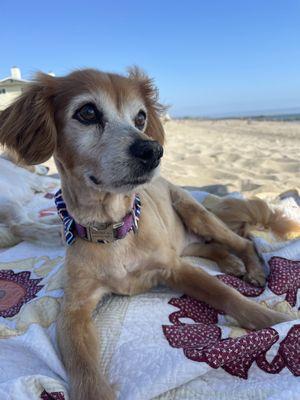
{"x":120,"y":185}
{"x":124,"y":183}
{"x":132,"y":182}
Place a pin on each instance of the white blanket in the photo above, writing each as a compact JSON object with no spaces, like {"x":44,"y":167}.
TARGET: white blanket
{"x":156,"y":345}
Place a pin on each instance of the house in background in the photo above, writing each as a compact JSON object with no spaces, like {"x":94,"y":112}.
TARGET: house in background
{"x":11,"y":87}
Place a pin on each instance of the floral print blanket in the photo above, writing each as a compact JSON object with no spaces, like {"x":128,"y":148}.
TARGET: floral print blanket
{"x":160,"y":345}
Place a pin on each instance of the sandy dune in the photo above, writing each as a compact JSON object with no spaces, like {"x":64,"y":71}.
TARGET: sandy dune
{"x":254,"y":157}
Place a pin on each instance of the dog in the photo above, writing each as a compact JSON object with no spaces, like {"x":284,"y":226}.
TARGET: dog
{"x":18,"y":222}
{"x":127,"y":228}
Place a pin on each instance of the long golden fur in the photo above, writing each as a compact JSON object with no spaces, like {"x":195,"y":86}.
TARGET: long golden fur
{"x":172,"y":224}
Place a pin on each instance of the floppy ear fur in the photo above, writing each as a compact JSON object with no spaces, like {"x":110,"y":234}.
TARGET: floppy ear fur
{"x":149,"y":92}
{"x":27,"y":126}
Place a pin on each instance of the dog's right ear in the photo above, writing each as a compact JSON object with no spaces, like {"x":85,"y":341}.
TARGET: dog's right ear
{"x":27,"y":126}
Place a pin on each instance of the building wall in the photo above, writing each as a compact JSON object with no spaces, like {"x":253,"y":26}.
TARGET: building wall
{"x":11,"y":93}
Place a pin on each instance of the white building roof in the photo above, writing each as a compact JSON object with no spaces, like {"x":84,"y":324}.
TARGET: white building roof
{"x":10,"y":80}
{"x":15,"y":78}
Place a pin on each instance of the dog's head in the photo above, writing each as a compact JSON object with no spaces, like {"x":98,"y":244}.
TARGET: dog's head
{"x":103,"y":129}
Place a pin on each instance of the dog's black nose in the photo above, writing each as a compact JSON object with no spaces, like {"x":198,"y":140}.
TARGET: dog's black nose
{"x":148,"y":152}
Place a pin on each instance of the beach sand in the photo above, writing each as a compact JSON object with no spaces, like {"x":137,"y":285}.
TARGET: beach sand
{"x":253,"y":157}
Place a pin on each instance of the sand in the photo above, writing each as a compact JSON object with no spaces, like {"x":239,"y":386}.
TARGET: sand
{"x":253,"y":157}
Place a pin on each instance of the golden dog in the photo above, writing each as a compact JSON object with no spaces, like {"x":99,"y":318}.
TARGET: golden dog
{"x":106,"y":137}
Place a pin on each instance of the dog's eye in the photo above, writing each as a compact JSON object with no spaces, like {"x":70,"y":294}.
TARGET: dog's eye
{"x":140,"y":119}
{"x":88,"y":114}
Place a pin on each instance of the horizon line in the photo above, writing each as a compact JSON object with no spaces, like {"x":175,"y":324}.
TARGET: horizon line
{"x":240,"y":114}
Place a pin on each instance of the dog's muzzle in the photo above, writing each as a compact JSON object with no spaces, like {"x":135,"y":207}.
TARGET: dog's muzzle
{"x":147,"y":152}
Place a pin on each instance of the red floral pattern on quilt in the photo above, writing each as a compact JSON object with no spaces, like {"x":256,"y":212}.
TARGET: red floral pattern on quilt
{"x":284,"y":278}
{"x":194,"y":309}
{"x":52,"y":396}
{"x":288,"y":354}
{"x":243,"y":287}
{"x":202,"y":341}
{"x":16,"y":289}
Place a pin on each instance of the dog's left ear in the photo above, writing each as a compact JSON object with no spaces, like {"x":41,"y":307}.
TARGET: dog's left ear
{"x":27,"y":126}
{"x":149,"y":93}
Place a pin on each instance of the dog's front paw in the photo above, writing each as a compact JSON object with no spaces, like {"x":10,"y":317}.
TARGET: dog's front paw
{"x":252,"y":315}
{"x":232,"y":265}
{"x":263,"y":318}
{"x":256,"y":277}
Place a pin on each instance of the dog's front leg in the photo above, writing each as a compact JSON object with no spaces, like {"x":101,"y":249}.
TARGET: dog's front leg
{"x":78,"y":342}
{"x":199,"y":284}
{"x":202,"y":222}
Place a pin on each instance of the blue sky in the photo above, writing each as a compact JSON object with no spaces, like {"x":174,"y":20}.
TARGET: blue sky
{"x":207,"y":57}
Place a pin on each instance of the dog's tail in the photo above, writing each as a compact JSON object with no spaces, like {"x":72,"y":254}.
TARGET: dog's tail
{"x":246,"y":215}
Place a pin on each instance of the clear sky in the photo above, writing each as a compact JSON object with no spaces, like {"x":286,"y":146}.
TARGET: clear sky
{"x":207,"y":57}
